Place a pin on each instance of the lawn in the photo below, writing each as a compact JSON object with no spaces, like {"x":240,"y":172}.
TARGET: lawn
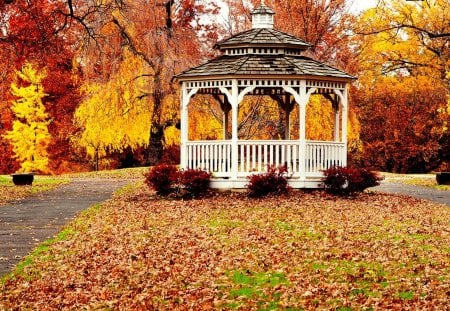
{"x":9,"y":192}
{"x":306,"y":251}
{"x":424,"y":180}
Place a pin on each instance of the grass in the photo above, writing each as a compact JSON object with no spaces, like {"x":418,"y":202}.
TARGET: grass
{"x":424,"y":180}
{"x":10,"y":192}
{"x":304,"y":252}
{"x":125,"y":173}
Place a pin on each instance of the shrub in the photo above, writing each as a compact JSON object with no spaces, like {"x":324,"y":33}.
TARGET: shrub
{"x":171,"y":155}
{"x":274,"y":181}
{"x":195,"y":181}
{"x":161,"y":178}
{"x":347,"y":181}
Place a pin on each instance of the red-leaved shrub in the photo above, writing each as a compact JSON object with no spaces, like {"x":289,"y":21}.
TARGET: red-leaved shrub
{"x":348,"y":181}
{"x":162,"y":178}
{"x":274,"y":181}
{"x":171,"y":155}
{"x":195,"y":181}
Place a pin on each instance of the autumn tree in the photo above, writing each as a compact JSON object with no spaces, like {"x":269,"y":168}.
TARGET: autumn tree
{"x":35,"y":31}
{"x":402,"y":92}
{"x":117,"y":119}
{"x":29,"y":135}
{"x":164,"y":39}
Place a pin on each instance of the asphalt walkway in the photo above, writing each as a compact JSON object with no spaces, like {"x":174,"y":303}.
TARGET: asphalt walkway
{"x":425,"y":193}
{"x":28,"y":222}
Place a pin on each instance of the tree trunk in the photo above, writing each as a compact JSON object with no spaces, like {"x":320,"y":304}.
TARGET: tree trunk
{"x":155,"y":148}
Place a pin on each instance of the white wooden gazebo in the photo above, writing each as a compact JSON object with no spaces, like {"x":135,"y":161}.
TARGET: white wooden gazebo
{"x":264,"y":61}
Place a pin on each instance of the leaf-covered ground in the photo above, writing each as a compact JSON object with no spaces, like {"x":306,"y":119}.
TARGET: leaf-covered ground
{"x":308,"y":251}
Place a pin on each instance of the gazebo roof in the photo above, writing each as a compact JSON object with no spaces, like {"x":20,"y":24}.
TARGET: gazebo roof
{"x":280,"y":65}
{"x":263,"y":51}
{"x":266,"y":37}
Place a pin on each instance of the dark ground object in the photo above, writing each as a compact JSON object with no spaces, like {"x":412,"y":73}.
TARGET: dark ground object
{"x":23,"y":179}
{"x":443,"y":178}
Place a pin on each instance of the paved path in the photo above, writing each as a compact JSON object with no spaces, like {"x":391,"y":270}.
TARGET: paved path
{"x":30,"y":221}
{"x":415,"y":191}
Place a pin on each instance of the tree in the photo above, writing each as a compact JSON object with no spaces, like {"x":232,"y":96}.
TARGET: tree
{"x":166,"y":42}
{"x":29,"y":135}
{"x":32,"y":31}
{"x":402,"y":86}
{"x":115,"y":119}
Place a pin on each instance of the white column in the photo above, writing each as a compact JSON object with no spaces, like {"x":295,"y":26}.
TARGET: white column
{"x":337,"y":119}
{"x":344,"y":123}
{"x":234,"y":129}
{"x":302,"y":98}
{"x":343,"y":97}
{"x":184,"y":120}
{"x":302,"y":135}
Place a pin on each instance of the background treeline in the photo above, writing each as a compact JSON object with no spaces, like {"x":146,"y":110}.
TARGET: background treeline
{"x":97,"y":76}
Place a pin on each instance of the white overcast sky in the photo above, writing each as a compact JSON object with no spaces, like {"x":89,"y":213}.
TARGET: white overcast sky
{"x":361,"y":5}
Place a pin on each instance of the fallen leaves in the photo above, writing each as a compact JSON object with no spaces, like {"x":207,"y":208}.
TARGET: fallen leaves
{"x":306,"y":251}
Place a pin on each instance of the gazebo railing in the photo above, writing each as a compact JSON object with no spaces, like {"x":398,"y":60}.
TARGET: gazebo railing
{"x":213,"y":156}
{"x":255,"y":156}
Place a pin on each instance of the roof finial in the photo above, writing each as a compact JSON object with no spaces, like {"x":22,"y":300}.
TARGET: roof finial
{"x":262,"y":2}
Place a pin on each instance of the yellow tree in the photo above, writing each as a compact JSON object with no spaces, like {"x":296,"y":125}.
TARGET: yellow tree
{"x":114,"y":115}
{"x":166,"y":36}
{"x":29,"y":135}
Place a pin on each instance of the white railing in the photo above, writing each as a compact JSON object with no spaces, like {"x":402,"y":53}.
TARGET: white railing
{"x":213,"y":156}
{"x":321,"y":155}
{"x":255,"y":156}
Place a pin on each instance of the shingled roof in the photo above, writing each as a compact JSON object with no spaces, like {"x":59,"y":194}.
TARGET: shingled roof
{"x":280,"y":65}
{"x":263,"y":51}
{"x":266,"y":37}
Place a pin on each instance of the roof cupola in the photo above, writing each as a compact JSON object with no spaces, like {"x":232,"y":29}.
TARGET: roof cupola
{"x":262,"y":16}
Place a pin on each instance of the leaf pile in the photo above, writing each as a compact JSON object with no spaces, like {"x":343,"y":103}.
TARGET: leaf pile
{"x":306,"y":251}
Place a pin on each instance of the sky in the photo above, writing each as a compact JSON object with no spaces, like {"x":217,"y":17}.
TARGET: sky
{"x":361,"y":5}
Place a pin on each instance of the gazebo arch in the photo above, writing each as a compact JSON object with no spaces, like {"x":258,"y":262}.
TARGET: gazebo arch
{"x":264,"y":61}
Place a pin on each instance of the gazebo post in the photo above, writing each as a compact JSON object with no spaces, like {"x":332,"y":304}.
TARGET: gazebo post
{"x":302,"y":135}
{"x":344,"y":122}
{"x":184,"y":119}
{"x":234,"y":129}
{"x":337,"y":119}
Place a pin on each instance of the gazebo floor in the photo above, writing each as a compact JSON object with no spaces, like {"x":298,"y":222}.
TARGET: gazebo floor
{"x":241,"y":183}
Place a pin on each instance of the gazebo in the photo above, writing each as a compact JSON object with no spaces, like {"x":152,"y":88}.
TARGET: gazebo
{"x":264,"y":61}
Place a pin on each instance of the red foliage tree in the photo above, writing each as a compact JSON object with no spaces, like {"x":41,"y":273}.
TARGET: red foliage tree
{"x":36,"y":33}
